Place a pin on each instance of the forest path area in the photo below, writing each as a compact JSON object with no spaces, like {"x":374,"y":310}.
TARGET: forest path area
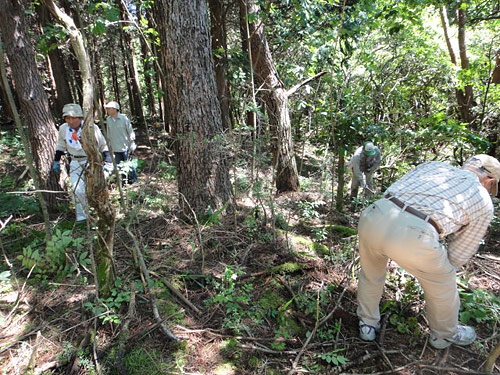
{"x":242,"y":292}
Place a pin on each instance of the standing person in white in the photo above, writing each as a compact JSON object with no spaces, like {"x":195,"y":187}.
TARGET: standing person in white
{"x":121,"y":137}
{"x":69,"y":142}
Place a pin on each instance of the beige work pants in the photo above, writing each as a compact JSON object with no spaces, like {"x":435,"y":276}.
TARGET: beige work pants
{"x":385,"y":231}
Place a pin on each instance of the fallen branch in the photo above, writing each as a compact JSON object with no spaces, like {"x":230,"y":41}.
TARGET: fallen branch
{"x":180,"y":296}
{"x":318,"y":324}
{"x":457,"y":369}
{"x":490,"y":361}
{"x":123,"y":337}
{"x":361,"y":359}
{"x":20,"y":339}
{"x":146,"y":282}
{"x":75,"y":365}
{"x":240,"y":338}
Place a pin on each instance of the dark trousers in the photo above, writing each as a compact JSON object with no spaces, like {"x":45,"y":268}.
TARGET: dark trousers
{"x":132,"y":173}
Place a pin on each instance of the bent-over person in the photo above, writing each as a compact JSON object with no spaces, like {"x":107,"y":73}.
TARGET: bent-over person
{"x":363,"y":164}
{"x":434,"y":202}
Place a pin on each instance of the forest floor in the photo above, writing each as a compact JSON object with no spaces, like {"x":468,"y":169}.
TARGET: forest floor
{"x":268,"y":289}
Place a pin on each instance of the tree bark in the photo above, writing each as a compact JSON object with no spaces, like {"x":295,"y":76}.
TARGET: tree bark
{"x":464,"y":97}
{"x":96,"y":63}
{"x":95,"y":183}
{"x":62,"y":94}
{"x":495,"y":77}
{"x":149,"y":71}
{"x":114,"y":78}
{"x":193,"y":107}
{"x":219,"y":44}
{"x":276,"y":98}
{"x":128,"y":79}
{"x":24,"y":139}
{"x":33,"y":100}
{"x":251,"y":116}
{"x":159,"y":53}
{"x":133,"y":73}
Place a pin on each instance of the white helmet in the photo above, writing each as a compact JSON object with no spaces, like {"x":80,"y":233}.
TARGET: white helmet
{"x":114,"y":105}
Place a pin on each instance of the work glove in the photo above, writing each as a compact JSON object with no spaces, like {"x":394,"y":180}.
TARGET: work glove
{"x":56,"y":167}
{"x":132,"y":148}
{"x":107,"y":169}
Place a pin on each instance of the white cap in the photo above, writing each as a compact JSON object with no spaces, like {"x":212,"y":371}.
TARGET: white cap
{"x":114,"y":105}
{"x":488,"y":164}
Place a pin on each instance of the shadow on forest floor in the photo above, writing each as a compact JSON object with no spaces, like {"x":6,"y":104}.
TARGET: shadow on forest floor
{"x":255,"y":285}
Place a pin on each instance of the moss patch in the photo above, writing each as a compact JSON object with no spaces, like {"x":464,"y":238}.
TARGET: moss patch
{"x":286,"y":268}
{"x":341,"y":231}
{"x":226,"y":368}
{"x":313,"y":248}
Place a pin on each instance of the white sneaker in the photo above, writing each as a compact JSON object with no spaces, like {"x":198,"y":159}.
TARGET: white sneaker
{"x":465,"y":336}
{"x":367,"y":332}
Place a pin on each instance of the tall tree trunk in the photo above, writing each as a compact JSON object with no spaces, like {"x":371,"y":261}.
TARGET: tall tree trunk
{"x":495,"y":76}
{"x":56,"y":62}
{"x":76,"y":83}
{"x":339,"y":205}
{"x":114,"y":78}
{"x":33,"y":100}
{"x":276,"y":98}
{"x":95,"y":184}
{"x":133,"y":72}
{"x":27,"y":148}
{"x":251,"y":116}
{"x":96,"y":63}
{"x":128,"y":78}
{"x":4,"y":103}
{"x":464,"y":97}
{"x":194,"y":112}
{"x":466,"y":102}
{"x":219,"y":44}
{"x":149,"y":71}
{"x":159,"y":53}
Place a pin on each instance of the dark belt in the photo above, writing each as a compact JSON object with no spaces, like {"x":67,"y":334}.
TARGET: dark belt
{"x":78,"y":157}
{"x":414,"y":212}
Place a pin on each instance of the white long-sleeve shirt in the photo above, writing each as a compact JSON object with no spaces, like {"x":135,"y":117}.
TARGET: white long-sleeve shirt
{"x":69,"y":140}
{"x":120,"y":132}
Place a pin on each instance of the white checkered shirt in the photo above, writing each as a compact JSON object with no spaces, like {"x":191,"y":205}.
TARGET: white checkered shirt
{"x":455,"y":199}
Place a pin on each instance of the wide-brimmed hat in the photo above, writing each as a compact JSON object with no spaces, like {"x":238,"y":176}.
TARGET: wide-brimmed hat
{"x":73,"y":110}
